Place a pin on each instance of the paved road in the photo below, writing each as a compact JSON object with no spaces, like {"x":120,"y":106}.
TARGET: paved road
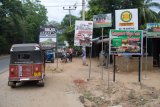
{"x":4,"y":63}
{"x":59,"y":90}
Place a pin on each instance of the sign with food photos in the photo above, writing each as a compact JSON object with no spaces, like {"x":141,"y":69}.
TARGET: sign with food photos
{"x":83,"y":33}
{"x":126,"y":42}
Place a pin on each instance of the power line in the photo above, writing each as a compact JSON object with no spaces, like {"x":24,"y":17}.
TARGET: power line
{"x":62,"y":5}
{"x":69,"y":9}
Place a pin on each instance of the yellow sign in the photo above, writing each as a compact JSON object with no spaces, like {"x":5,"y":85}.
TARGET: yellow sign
{"x":37,"y":74}
{"x":126,"y":24}
{"x":126,"y":16}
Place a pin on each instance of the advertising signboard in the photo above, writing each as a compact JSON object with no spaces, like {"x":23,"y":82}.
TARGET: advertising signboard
{"x":126,"y":19}
{"x":102,"y":20}
{"x":83,"y":33}
{"x":47,"y":38}
{"x":126,"y":42}
{"x":153,"y":29}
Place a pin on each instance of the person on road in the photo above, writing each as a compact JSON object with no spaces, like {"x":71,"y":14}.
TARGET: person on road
{"x":64,"y":56}
{"x":70,"y":54}
{"x":84,"y":56}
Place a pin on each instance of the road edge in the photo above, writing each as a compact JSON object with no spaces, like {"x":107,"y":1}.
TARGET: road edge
{"x":4,"y":56}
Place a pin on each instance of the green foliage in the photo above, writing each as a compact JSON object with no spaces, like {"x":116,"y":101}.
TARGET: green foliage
{"x":20,"y":22}
{"x":146,"y":15}
{"x":36,"y":17}
{"x":3,"y":44}
{"x":67,"y":29}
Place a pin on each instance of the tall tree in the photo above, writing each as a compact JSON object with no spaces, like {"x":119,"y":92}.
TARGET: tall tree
{"x":20,"y":22}
{"x":109,"y":6}
{"x":145,"y":12}
{"x":10,"y":14}
{"x":36,"y":17}
{"x":68,"y":31}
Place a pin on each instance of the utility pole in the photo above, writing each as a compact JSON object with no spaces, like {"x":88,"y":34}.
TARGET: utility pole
{"x":83,"y":9}
{"x":69,"y":9}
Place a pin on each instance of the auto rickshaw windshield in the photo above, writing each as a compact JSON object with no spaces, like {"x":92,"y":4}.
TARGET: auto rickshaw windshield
{"x":26,"y":57}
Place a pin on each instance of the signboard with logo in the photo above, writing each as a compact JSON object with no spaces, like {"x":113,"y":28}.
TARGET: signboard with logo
{"x":126,"y":42}
{"x":83,"y":33}
{"x":126,"y":19}
{"x":153,"y":29}
{"x":47,"y":37}
{"x":102,"y":20}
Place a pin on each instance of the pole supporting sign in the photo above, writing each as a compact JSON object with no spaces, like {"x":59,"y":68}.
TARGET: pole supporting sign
{"x":126,"y":42}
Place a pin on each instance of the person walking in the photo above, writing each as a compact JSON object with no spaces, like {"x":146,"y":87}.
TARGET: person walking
{"x":84,"y":56}
{"x":64,"y":56}
{"x":70,"y":54}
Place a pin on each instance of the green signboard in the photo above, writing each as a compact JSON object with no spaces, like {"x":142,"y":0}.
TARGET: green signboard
{"x":126,"y":42}
{"x":153,"y":29}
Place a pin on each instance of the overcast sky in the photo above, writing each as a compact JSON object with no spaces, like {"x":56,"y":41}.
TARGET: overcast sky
{"x":56,"y":12}
{"x":55,"y":8}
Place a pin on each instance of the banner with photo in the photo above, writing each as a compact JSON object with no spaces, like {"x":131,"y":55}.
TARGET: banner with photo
{"x":153,"y":29}
{"x":102,"y":20}
{"x":126,"y":19}
{"x":47,"y":38}
{"x":83,"y":33}
{"x":126,"y":42}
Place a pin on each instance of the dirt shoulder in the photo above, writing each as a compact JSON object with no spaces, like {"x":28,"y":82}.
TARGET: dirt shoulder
{"x":125,"y":92}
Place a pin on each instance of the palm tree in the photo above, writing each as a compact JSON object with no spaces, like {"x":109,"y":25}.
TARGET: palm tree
{"x":146,"y":14}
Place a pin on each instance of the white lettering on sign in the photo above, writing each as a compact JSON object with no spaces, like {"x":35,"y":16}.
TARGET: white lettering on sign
{"x":50,"y":29}
{"x":47,"y":32}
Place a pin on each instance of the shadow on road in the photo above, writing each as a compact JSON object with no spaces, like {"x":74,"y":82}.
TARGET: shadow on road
{"x":27,"y":85}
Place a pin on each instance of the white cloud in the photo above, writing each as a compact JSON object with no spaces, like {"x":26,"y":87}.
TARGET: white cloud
{"x":156,"y":9}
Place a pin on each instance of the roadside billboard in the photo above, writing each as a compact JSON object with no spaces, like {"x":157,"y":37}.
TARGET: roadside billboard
{"x":153,"y":29}
{"x":83,"y":33}
{"x":47,"y":38}
{"x":102,"y":20}
{"x":126,"y":42}
{"x":126,"y":19}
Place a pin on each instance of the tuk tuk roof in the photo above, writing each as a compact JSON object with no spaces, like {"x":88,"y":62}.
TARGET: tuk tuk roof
{"x":25,"y":47}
